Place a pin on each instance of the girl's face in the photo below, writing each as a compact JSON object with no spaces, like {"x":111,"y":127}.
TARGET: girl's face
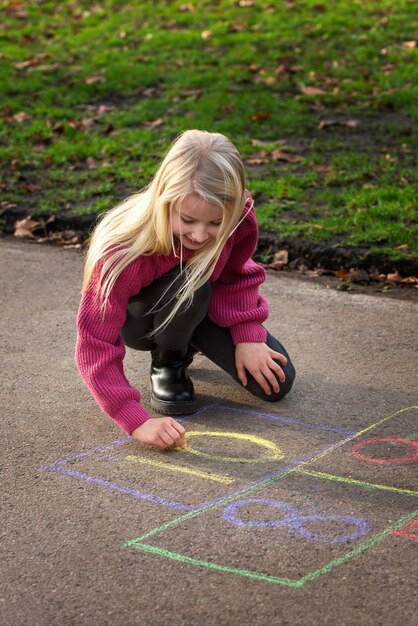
{"x":196,"y":222}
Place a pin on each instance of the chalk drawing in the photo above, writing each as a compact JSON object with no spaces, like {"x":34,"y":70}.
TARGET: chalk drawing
{"x":288,"y":517}
{"x":412,"y":456}
{"x":230,"y":505}
{"x":85,"y":467}
{"x":181,"y":468}
{"x":407,"y":531}
{"x":273,"y":453}
{"x":353,"y":481}
{"x":295,"y":521}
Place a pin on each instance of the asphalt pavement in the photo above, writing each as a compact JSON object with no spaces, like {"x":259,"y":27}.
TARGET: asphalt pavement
{"x":303,"y":512}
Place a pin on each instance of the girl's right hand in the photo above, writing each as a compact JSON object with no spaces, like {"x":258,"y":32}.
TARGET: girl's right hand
{"x":161,"y":432}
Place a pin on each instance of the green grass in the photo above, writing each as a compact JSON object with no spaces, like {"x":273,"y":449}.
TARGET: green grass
{"x":91,"y":77}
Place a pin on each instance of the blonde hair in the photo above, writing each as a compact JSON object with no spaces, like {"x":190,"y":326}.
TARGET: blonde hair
{"x":198,"y":162}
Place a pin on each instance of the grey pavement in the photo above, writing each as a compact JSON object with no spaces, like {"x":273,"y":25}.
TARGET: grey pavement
{"x":302,"y":512}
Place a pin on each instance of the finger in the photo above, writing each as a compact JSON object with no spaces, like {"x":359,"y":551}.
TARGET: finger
{"x":159,"y":443}
{"x":262,"y":382}
{"x":181,"y":433}
{"x":174,"y":434}
{"x":167,"y":439}
{"x":241,"y":375}
{"x":280,"y":357}
{"x":278,"y":370}
{"x":272,"y":380}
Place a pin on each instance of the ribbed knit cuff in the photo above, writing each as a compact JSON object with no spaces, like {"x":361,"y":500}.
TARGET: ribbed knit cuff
{"x":248,"y":331}
{"x":131,"y":416}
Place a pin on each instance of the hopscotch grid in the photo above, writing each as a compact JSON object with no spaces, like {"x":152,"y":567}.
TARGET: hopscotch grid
{"x":277,"y":579}
{"x":137,"y":543}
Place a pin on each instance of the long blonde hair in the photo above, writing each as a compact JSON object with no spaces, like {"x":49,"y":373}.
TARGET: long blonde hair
{"x":198,"y":162}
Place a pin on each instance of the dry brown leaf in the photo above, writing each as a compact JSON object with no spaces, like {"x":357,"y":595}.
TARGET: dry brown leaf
{"x":342,"y":274}
{"x":25,"y":227}
{"x":187,"y":7}
{"x":95,"y":78}
{"x":409,"y":280}
{"x":395,"y":277}
{"x":257,"y":158}
{"x":21,"y":117}
{"x":260,"y":142}
{"x":279,"y":155}
{"x":281,"y":258}
{"x":260,"y":115}
{"x":409,"y":44}
{"x":312,"y":91}
{"x":91,"y":163}
{"x":237,"y":27}
{"x":403,"y":246}
{"x":154,"y":123}
{"x":206,"y":34}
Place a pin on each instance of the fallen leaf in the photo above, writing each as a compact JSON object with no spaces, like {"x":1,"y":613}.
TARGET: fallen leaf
{"x":154,"y":123}
{"x":21,"y":117}
{"x":206,"y":34}
{"x":260,"y":142}
{"x":91,"y":163}
{"x":342,"y":274}
{"x":409,"y":44}
{"x":237,"y":27}
{"x":95,"y":78}
{"x":349,"y":123}
{"x":281,"y":258}
{"x":279,"y":155}
{"x":312,"y":91}
{"x":409,"y":280}
{"x":395,"y":277}
{"x":403,"y":246}
{"x":260,"y":115}
{"x":25,"y":227}
{"x":257,"y":158}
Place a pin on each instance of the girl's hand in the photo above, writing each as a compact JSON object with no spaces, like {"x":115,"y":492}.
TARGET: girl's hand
{"x":161,"y":432}
{"x":257,"y":359}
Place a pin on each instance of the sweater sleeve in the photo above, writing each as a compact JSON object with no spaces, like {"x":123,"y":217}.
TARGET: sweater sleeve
{"x":100,"y":349}
{"x":236,"y":302}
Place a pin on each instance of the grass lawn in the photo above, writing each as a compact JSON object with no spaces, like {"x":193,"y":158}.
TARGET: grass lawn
{"x":321,"y":98}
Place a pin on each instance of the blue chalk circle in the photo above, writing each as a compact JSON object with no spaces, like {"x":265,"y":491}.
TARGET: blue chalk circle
{"x":295,"y":521}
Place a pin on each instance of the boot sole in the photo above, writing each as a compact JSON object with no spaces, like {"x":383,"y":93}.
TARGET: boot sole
{"x":173,"y":408}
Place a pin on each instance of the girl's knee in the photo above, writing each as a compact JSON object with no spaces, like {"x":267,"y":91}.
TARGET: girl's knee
{"x":284,"y":389}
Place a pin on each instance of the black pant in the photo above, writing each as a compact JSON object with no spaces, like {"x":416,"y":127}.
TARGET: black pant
{"x":191,"y":327}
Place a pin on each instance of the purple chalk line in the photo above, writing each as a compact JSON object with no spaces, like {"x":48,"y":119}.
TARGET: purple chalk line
{"x":280,"y":418}
{"x":129,"y":491}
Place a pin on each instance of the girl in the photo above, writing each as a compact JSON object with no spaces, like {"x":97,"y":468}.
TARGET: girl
{"x":170,"y":271}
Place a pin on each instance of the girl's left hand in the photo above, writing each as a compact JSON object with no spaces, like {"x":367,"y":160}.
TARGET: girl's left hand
{"x":257,"y":359}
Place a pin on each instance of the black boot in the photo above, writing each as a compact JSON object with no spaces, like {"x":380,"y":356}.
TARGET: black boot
{"x":172,"y":390}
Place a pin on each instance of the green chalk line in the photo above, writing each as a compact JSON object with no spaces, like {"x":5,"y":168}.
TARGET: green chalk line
{"x":276,"y":579}
{"x":353,"y":481}
{"x":225,"y":568}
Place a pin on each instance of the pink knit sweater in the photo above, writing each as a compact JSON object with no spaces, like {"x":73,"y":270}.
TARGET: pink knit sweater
{"x":235,"y":303}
